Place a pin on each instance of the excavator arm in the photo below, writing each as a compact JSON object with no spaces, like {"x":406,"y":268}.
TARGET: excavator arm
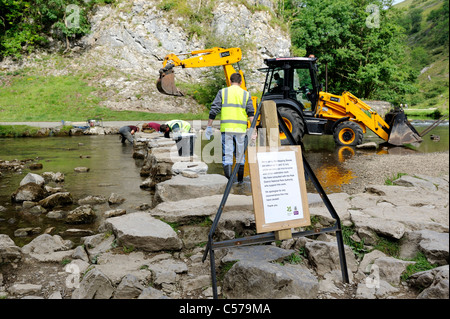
{"x":395,"y":128}
{"x":198,"y":59}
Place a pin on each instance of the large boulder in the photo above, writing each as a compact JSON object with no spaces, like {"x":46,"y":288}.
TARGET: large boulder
{"x":28,"y":192}
{"x":48,"y":248}
{"x":58,"y":199}
{"x":32,"y":178}
{"x":95,"y":285}
{"x":250,"y":279}
{"x":325,"y":257}
{"x":81,"y":215}
{"x":9,"y":252}
{"x":184,"y":211}
{"x":180,"y":187}
{"x":142,"y":231}
{"x":434,"y":283}
{"x":434,"y":245}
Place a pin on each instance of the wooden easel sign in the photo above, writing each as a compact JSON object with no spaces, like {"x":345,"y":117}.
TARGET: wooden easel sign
{"x":278,"y":187}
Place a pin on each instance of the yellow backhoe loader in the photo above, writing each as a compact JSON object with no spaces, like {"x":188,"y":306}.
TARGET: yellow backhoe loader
{"x":292,"y":84}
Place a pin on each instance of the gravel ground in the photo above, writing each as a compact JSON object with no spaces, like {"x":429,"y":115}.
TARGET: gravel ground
{"x":375,"y":169}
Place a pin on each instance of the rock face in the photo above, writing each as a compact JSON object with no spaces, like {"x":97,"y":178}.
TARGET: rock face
{"x":142,"y":231}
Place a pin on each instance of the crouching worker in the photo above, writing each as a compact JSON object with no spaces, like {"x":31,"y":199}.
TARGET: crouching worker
{"x":176,"y":126}
{"x":127,"y":132}
{"x":151,"y":127}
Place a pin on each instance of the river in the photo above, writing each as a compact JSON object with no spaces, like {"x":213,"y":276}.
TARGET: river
{"x":113,"y":170}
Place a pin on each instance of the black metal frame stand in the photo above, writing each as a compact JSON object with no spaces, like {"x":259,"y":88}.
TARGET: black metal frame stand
{"x":270,"y":237}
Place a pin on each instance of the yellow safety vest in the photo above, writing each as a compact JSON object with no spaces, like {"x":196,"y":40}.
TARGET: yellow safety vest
{"x":185,"y":127}
{"x":233,"y":116}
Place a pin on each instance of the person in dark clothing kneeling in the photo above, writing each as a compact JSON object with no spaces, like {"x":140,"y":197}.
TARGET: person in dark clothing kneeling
{"x":127,"y":132}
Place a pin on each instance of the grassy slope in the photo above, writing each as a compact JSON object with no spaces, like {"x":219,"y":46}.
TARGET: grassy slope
{"x":30,"y":96}
{"x":433,"y":83}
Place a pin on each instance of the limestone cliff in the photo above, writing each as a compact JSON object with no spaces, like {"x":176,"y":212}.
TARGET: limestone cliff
{"x":129,"y":39}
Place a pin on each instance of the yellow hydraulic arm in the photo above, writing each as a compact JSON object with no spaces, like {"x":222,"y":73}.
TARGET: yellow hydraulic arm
{"x":200,"y":59}
{"x":347,"y":105}
{"x":205,"y":58}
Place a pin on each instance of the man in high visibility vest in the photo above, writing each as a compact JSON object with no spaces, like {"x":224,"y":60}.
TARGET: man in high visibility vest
{"x":175,"y":126}
{"x":236,"y":107}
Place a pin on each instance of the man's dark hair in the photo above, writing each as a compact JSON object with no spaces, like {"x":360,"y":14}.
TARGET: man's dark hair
{"x":163,"y":128}
{"x":236,"y":78}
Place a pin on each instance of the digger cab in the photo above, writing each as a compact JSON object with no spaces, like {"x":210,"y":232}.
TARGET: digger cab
{"x":293,"y":81}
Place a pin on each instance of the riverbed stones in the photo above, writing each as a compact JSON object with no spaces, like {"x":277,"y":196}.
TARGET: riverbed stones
{"x":92,"y":200}
{"x":81,"y":215}
{"x":57,"y":199}
{"x":32,"y":178}
{"x":142,"y":231}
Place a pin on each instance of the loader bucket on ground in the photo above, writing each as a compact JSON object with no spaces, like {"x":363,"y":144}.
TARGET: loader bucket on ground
{"x":402,"y":131}
{"x":166,"y":83}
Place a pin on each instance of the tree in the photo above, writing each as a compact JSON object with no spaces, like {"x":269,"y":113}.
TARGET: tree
{"x":26,"y":24}
{"x":360,"y":43}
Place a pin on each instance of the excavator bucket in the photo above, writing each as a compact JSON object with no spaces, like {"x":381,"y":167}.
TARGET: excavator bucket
{"x":166,"y":81}
{"x":402,"y":132}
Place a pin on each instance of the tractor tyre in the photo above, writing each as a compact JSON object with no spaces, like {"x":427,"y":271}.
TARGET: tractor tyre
{"x":348,"y":134}
{"x":294,"y":122}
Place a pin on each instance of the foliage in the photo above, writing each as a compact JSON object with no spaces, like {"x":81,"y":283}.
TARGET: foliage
{"x":390,"y":180}
{"x":358,"y":247}
{"x":427,"y":51}
{"x":421,"y":264}
{"x":364,"y":55}
{"x":389,"y":247}
{"x":26,"y":24}
{"x":205,"y":92}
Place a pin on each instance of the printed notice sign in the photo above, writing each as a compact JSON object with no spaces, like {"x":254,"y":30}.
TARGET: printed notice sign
{"x":280,"y":187}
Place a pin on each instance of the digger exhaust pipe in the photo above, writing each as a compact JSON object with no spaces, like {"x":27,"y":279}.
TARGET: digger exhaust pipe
{"x":166,"y":81}
{"x":402,"y":132}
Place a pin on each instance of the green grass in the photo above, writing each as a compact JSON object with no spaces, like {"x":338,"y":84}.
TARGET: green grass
{"x":422,"y":264}
{"x":17,"y":130}
{"x":31,"y":98}
{"x":390,"y":180}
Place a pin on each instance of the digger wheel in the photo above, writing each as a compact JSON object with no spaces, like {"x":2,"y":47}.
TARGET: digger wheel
{"x":348,"y":134}
{"x":294,"y":123}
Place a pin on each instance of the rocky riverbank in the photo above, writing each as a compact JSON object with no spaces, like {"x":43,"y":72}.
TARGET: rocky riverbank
{"x":391,"y":232}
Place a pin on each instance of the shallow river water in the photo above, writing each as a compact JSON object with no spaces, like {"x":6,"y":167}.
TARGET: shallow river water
{"x":113,"y":170}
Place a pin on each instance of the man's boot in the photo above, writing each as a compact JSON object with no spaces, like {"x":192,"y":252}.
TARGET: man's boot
{"x":227,"y":170}
{"x":241,"y":173}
